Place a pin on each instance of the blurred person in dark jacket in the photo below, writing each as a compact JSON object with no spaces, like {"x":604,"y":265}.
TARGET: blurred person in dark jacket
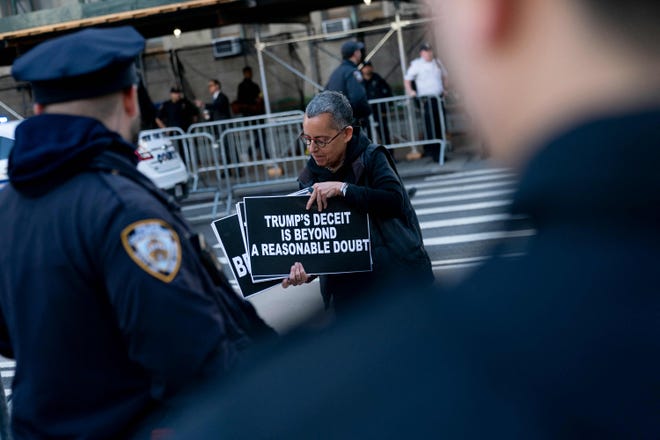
{"x":178,"y":111}
{"x":374,"y":84}
{"x":218,"y":109}
{"x":562,"y":342}
{"x":108,"y":301}
{"x":377,"y":88}
{"x":249,"y":101}
{"x":347,"y":79}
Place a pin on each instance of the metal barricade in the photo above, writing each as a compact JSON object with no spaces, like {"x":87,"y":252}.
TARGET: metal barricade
{"x":261,"y":155}
{"x":215,"y":128}
{"x":405,"y":122}
{"x":204,"y":164}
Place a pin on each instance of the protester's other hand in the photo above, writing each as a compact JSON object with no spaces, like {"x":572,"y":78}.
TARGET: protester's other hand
{"x":322,"y":192}
{"x":297,"y":276}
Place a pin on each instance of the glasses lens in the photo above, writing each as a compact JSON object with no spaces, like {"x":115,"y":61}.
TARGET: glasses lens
{"x":307,"y":140}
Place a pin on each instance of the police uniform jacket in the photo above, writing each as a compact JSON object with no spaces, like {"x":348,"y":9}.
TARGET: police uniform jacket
{"x":376,"y":189}
{"x":105,"y":303}
{"x":348,"y":80}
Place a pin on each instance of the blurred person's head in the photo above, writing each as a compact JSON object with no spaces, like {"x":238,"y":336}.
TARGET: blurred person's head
{"x":327,"y":128}
{"x":352,"y":50}
{"x":529,"y":68}
{"x":175,"y":94}
{"x":426,"y":52}
{"x":89,"y":73}
{"x":214,"y":86}
{"x":247,"y":72}
{"x":367,"y":70}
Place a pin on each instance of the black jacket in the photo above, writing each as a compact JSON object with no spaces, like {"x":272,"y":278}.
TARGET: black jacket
{"x":347,"y":79}
{"x":563,"y":342}
{"x":375,"y":188}
{"x":105,"y":301}
{"x":377,"y":87}
{"x":219,"y":109}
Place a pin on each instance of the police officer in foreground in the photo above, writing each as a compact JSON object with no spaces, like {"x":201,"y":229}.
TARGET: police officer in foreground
{"x":347,"y":79}
{"x":108,"y":303}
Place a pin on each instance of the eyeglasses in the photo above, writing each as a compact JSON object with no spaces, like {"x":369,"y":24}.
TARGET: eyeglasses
{"x":321,"y":143}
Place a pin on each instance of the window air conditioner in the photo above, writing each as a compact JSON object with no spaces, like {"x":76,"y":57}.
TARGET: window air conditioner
{"x":227,"y":47}
{"x":338,"y":25}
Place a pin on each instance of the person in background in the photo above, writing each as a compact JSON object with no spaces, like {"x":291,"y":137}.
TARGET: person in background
{"x":344,"y":163}
{"x":374,"y":84}
{"x":108,"y":301}
{"x":429,"y":76}
{"x":347,"y":79}
{"x":178,"y":111}
{"x":562,"y":342}
{"x":377,"y":88}
{"x":248,"y":98}
{"x":218,"y":109}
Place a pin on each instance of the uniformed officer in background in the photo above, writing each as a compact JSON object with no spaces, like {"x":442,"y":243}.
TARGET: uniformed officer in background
{"x":347,"y":79}
{"x":107,"y":301}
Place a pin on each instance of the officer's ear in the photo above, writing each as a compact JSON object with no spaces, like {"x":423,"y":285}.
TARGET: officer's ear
{"x":38,"y":108}
{"x":130,"y":101}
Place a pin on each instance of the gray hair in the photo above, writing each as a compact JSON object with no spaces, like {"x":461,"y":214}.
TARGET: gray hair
{"x":333,"y":103}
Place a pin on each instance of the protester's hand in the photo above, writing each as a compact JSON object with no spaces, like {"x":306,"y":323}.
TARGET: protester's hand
{"x":297,"y":276}
{"x":322,"y":192}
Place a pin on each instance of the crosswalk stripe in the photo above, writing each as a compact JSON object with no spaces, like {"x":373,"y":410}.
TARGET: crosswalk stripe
{"x":463,"y":188}
{"x":456,"y":198}
{"x":7,"y":373}
{"x":455,"y":263}
{"x":458,"y":181}
{"x":463,"y":221}
{"x":464,"y":207}
{"x":7,"y":364}
{"x":468,"y":173}
{"x":482,"y":236}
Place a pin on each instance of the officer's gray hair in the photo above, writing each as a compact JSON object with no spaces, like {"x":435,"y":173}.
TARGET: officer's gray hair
{"x":333,"y":103}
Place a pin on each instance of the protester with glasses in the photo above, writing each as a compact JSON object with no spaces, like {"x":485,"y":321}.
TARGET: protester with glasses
{"x":344,"y":163}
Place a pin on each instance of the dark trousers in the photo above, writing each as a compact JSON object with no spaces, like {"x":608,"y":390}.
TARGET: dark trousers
{"x":432,"y":125}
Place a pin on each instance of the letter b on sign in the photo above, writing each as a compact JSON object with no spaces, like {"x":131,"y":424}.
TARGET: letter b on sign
{"x":241,"y":270}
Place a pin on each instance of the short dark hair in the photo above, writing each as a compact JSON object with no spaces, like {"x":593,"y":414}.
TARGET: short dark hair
{"x":216,"y":82}
{"x":634,"y":21}
{"x":247,"y":69}
{"x":333,"y":103}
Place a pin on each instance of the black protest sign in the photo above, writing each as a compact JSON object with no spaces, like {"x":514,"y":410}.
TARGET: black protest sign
{"x":228,"y":232}
{"x":281,"y":231}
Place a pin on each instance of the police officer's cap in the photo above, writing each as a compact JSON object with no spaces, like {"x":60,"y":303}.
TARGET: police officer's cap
{"x":84,"y":64}
{"x":349,"y":48}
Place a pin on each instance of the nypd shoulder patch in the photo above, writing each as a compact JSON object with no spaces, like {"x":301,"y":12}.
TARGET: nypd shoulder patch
{"x":358,"y":75}
{"x":154,"y":246}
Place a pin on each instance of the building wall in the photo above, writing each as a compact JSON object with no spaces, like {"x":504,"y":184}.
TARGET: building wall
{"x":285,"y":90}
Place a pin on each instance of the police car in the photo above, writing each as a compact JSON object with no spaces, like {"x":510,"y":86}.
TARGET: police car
{"x":159,"y":160}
